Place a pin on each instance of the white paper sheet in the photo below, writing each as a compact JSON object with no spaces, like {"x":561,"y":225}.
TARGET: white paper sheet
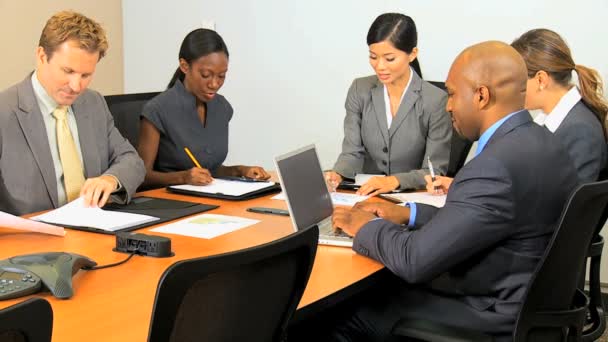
{"x":76,"y":214}
{"x":341,"y":198}
{"x":15,"y":222}
{"x":279,"y":196}
{"x":206,"y":226}
{"x":226,"y":187}
{"x":337,"y":198}
{"x":419,"y":197}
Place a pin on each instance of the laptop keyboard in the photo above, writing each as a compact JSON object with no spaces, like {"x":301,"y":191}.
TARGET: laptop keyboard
{"x":326,"y":229}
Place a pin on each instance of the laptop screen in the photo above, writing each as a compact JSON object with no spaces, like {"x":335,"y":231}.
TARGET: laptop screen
{"x":304,"y":187}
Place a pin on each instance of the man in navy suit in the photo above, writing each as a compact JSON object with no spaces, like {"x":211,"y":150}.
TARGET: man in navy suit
{"x":468,"y":264}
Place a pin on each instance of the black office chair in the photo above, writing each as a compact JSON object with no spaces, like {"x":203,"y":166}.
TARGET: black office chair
{"x":459,"y":150}
{"x":553,"y":307}
{"x":596,"y":322}
{"x":28,"y":321}
{"x":247,"y":295}
{"x":459,"y":147}
{"x":126,"y":110}
{"x":440,"y":85}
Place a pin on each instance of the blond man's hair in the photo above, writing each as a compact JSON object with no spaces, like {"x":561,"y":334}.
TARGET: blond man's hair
{"x":69,"y":25}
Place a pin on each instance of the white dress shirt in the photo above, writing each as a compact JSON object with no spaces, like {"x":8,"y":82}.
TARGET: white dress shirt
{"x":387,"y":100}
{"x":561,"y":110}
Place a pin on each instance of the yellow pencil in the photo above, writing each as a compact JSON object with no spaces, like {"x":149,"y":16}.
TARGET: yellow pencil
{"x":192,"y":157}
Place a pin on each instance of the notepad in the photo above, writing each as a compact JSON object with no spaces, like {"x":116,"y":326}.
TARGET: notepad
{"x":418,"y":197}
{"x":225,"y":187}
{"x":75,"y":214}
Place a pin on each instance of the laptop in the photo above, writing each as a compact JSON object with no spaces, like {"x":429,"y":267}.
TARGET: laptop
{"x":307,"y":196}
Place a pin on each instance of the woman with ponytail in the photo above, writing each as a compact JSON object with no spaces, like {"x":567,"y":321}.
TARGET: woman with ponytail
{"x":394,"y":120}
{"x":191,"y":114}
{"x":576,"y":115}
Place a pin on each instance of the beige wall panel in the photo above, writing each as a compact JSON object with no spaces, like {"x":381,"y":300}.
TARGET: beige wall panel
{"x":22,"y":21}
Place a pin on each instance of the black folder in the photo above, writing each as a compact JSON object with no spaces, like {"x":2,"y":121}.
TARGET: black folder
{"x":348,"y":185}
{"x":164,"y":209}
{"x":249,"y":195}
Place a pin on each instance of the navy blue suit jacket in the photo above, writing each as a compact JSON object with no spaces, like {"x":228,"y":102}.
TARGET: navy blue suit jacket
{"x":484,"y":244}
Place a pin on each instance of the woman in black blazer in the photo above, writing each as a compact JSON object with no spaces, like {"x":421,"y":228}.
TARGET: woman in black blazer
{"x":576,"y":115}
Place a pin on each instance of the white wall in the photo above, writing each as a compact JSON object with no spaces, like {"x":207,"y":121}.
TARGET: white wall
{"x":291,"y":62}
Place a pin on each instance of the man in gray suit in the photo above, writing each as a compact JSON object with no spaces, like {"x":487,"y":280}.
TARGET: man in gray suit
{"x":58,"y":141}
{"x":471,"y":260}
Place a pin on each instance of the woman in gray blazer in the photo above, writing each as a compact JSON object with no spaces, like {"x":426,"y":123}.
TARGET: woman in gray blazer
{"x":576,"y":115}
{"x":394,"y":119}
{"x":191,"y":114}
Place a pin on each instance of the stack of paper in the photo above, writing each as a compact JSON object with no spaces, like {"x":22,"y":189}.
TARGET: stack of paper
{"x":226,"y":187}
{"x":75,"y":214}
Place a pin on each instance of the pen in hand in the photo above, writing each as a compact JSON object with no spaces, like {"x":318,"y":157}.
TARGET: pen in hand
{"x":198,"y":175}
{"x":432,"y":171}
{"x":192,"y":157}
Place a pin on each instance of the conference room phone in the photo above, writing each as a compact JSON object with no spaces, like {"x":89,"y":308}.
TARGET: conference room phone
{"x":26,"y":274}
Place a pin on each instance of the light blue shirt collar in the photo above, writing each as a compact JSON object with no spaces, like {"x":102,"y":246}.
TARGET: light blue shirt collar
{"x":485,"y":137}
{"x":45,"y":102}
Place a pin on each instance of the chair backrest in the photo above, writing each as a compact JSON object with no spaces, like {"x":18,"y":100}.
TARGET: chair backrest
{"x":459,"y":150}
{"x":247,"y":295}
{"x":554,"y":283}
{"x":438,"y":84}
{"x":459,"y":147}
{"x":126,"y":110}
{"x":29,"y":321}
{"x":604,"y":217}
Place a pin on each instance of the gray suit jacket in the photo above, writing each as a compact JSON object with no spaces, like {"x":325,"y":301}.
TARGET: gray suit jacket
{"x":421,"y":128}
{"x":483,"y":246}
{"x":27,"y":176}
{"x":582,"y":135}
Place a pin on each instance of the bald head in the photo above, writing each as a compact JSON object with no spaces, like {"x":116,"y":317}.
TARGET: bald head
{"x":499,"y":67}
{"x":490,"y":78}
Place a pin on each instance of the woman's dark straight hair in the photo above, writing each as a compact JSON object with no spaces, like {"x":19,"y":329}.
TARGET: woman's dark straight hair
{"x":198,"y":43}
{"x":400,"y":30}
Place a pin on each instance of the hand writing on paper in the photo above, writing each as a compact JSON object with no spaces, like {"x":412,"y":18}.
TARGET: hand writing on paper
{"x":196,"y":176}
{"x":440,"y":186}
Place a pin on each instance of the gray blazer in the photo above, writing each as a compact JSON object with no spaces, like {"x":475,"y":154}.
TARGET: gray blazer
{"x":582,"y":135}
{"x":27,"y":176}
{"x":421,"y":128}
{"x":483,"y":246}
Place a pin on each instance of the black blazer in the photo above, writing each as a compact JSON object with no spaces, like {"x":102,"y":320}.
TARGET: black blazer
{"x":482,"y":247}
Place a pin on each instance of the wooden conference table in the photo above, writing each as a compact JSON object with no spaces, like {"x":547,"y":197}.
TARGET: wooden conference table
{"x":115,"y":304}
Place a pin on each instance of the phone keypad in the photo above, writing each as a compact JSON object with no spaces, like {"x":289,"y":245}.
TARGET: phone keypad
{"x":17,"y":284}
